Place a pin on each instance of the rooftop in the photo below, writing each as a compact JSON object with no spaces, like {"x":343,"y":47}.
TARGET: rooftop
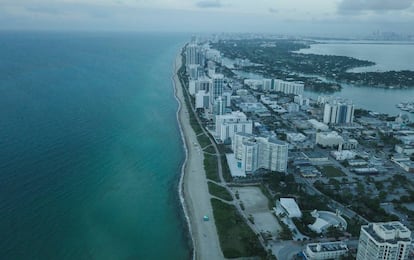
{"x":327,"y":247}
{"x":390,"y":232}
{"x":289,"y":204}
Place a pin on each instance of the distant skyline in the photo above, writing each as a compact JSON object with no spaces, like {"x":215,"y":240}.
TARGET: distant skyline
{"x":316,"y":17}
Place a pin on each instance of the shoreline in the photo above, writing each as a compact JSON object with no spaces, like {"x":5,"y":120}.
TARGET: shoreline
{"x":193,"y":189}
{"x":183,"y":166}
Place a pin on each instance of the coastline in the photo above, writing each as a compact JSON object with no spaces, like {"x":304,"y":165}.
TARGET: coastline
{"x":183,"y":166}
{"x":193,"y":189}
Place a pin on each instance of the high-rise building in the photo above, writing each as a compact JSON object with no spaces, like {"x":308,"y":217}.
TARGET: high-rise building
{"x":202,"y":83}
{"x":219,"y":106}
{"x":253,"y":153}
{"x":194,"y":55}
{"x":386,"y":240}
{"x":338,"y":113}
{"x":193,"y":71}
{"x":229,"y":124}
{"x":202,"y":99}
{"x":217,"y":86}
{"x":287,"y":87}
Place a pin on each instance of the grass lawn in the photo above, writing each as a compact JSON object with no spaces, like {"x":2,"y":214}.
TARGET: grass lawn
{"x":210,"y":149}
{"x":331,"y":171}
{"x":236,"y":237}
{"x":225,"y":168}
{"x":219,"y":191}
{"x":210,"y":166}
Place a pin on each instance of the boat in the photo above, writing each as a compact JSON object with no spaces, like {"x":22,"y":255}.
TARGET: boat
{"x":406,"y":106}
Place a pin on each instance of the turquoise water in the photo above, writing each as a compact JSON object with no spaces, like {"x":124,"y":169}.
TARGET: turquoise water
{"x":90,"y":148}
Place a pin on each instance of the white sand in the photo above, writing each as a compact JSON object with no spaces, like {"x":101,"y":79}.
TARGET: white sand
{"x":194,"y":189}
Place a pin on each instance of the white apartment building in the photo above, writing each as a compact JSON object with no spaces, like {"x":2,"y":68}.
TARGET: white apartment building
{"x":327,"y":250}
{"x":253,"y":153}
{"x":202,"y":83}
{"x":386,"y":240}
{"x":194,"y":55}
{"x":337,"y":112}
{"x":193,"y":71}
{"x":229,"y":124}
{"x":288,"y":87}
{"x":202,"y":99}
{"x":302,"y":101}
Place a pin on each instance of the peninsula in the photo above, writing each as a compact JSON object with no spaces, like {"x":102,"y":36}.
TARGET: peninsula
{"x":323,"y":73}
{"x":271,"y":173}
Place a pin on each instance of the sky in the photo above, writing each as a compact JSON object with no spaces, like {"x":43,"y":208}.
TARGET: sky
{"x":313,"y":17}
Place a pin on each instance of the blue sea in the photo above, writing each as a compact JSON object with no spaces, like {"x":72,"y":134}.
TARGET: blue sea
{"x":90,"y":149}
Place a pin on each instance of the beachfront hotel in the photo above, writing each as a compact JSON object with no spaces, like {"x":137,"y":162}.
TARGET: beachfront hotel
{"x":229,"y":124}
{"x":387,"y":240}
{"x":252,"y":153}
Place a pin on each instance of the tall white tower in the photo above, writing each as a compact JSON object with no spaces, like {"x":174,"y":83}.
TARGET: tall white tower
{"x":386,"y":240}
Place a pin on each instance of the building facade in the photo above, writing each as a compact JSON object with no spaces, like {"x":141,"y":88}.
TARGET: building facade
{"x":327,"y":250}
{"x":387,"y":240}
{"x":338,"y":113}
{"x":216,"y":87}
{"x":253,"y":153}
{"x":229,"y":124}
{"x":288,"y":87}
{"x":194,"y":55}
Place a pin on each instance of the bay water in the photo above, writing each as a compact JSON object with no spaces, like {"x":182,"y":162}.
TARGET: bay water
{"x":387,"y":56}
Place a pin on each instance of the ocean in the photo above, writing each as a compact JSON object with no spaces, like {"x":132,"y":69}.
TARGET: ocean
{"x":90,"y":149}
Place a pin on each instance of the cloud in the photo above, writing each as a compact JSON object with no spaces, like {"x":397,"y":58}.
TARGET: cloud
{"x":209,"y":4}
{"x":373,"y":5}
{"x":273,"y":10}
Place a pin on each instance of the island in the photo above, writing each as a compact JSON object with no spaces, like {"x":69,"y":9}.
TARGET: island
{"x":323,"y":73}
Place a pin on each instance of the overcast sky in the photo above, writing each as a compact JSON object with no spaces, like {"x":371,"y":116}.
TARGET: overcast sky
{"x":323,"y":17}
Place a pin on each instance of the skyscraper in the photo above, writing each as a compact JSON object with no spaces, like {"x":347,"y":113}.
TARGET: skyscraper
{"x":387,"y":241}
{"x":217,"y":87}
{"x":194,"y":55}
{"x":254,"y":153}
{"x":338,"y":112}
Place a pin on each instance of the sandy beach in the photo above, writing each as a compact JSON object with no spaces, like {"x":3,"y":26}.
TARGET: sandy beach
{"x":193,"y":185}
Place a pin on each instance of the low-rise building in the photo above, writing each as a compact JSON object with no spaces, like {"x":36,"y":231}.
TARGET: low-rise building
{"x":357,"y":162}
{"x":343,"y":155}
{"x":404,"y":149}
{"x":326,"y":250}
{"x":315,"y":157}
{"x":349,"y":144}
{"x":365,"y":170}
{"x":318,"y":125}
{"x":291,"y":208}
{"x":295,"y":137}
{"x":329,"y":139}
